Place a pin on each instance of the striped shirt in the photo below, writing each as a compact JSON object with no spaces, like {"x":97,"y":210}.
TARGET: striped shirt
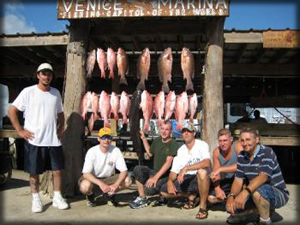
{"x":264,"y":161}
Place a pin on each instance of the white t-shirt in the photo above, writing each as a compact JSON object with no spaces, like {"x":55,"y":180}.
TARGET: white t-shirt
{"x":103,"y":165}
{"x":40,"y":112}
{"x":185,"y":157}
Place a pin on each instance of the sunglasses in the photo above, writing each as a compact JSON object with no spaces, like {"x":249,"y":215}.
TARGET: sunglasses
{"x":106,"y":137}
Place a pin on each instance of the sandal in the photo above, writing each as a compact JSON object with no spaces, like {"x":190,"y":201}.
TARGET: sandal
{"x":191,"y":204}
{"x":202,"y":214}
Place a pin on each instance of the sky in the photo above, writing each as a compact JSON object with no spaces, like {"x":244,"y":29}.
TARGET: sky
{"x":26,"y":16}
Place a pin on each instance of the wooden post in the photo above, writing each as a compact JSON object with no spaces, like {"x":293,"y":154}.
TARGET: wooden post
{"x":213,"y":112}
{"x":74,"y":89}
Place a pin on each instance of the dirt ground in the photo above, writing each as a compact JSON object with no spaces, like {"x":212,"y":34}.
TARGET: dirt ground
{"x":15,"y":208}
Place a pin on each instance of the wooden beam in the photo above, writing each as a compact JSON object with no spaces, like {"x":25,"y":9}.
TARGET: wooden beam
{"x":261,"y":69}
{"x":243,"y":37}
{"x":280,"y":141}
{"x":34,"y":40}
{"x":278,"y":101}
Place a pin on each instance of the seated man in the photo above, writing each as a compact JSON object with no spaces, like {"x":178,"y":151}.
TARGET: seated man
{"x":99,"y":170}
{"x":224,"y":166}
{"x":149,"y":181}
{"x":189,"y":172}
{"x":258,"y":178}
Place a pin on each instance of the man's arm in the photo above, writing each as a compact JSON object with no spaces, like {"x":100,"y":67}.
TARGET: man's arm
{"x":61,"y":124}
{"x":13,"y":116}
{"x":145,"y":143}
{"x":236,"y":188}
{"x":153,"y":180}
{"x":90,"y":177}
{"x":170,"y":183}
{"x":118,"y":182}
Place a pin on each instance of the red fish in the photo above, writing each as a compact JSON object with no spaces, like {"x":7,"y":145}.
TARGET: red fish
{"x":188,"y":68}
{"x":165,"y":62}
{"x":181,"y":109}
{"x":105,"y":108}
{"x":143,"y":67}
{"x":111,"y":62}
{"x":115,"y":104}
{"x":90,"y":62}
{"x":102,"y":61}
{"x":125,"y":104}
{"x":123,"y":65}
{"x":170,"y":104}
{"x":147,"y":107}
{"x":159,"y":106}
{"x":193,"y":103}
{"x":86,"y":103}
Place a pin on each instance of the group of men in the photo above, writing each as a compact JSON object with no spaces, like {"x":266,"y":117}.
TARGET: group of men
{"x":240,"y":173}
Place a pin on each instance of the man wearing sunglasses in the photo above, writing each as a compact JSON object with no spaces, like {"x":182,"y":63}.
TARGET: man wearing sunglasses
{"x":99,"y":170}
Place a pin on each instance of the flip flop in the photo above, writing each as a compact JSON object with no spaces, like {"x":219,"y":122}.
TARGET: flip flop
{"x":202,"y":214}
{"x":191,"y":204}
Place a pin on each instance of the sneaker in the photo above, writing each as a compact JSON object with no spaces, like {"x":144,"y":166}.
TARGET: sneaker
{"x":139,"y":202}
{"x":60,"y":203}
{"x":37,"y":206}
{"x":91,"y":200}
{"x":111,"y":199}
{"x":160,"y":202}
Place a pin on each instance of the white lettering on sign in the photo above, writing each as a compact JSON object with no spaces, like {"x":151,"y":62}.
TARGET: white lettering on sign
{"x":75,"y":9}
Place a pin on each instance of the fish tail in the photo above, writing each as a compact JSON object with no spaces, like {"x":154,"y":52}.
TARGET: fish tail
{"x":106,"y":123}
{"x":111,"y":74}
{"x":189,"y":85}
{"x":165,"y":89}
{"x":146,"y":126}
{"x":141,"y":85}
{"x":103,"y":74}
{"x":123,"y":80}
{"x":179,"y":126}
{"x":125,"y":120}
{"x":116,"y":117}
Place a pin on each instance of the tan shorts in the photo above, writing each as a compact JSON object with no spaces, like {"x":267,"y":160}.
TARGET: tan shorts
{"x":108,"y":180}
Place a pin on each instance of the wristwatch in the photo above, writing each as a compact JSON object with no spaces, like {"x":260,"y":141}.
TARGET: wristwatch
{"x":231,"y":195}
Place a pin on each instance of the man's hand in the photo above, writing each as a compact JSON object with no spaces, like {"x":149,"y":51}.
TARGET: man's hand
{"x":240,"y":200}
{"x":215,"y":175}
{"x":151,"y":182}
{"x":220,"y":194}
{"x":181,"y":174}
{"x":171,"y":188}
{"x":230,"y":205}
{"x":104,"y":187}
{"x":27,"y":135}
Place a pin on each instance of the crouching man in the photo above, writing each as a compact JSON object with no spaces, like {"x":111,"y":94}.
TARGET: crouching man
{"x":99,"y":170}
{"x":258,"y":178}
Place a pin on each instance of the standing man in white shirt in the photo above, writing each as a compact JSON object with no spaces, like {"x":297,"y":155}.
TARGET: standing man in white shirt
{"x":42,"y":131}
{"x":99,"y":170}
{"x":190,"y":171}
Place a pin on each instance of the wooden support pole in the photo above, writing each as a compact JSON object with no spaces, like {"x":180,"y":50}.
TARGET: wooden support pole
{"x":75,"y":88}
{"x":213,"y":112}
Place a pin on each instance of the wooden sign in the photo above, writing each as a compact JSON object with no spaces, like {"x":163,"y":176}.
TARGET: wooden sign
{"x":281,"y":39}
{"x":81,"y":9}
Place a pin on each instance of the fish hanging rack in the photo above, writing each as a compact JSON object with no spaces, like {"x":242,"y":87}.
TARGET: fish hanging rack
{"x":199,"y":52}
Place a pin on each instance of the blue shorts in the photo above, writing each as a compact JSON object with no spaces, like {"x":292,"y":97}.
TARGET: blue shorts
{"x":273,"y":195}
{"x":39,"y":159}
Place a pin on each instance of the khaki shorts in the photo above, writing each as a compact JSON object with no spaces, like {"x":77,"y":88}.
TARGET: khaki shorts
{"x":108,"y":180}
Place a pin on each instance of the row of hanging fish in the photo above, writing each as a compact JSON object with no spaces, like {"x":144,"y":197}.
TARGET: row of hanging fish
{"x":163,"y":107}
{"x":108,"y":61}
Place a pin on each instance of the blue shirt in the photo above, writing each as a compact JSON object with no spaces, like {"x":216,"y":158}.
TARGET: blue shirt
{"x":264,"y":161}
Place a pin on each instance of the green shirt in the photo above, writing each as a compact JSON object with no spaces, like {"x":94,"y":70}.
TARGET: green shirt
{"x":161,"y":151}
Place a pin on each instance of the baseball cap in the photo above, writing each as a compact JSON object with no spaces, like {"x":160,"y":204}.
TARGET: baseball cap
{"x":188,"y":126}
{"x":44,"y":66}
{"x":105,"y":131}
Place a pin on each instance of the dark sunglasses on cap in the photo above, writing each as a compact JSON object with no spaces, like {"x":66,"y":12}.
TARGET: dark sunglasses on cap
{"x":106,"y":137}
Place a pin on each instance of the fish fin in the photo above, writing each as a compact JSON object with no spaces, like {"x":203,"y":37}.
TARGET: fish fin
{"x":123,"y":80}
{"x":165,"y":89}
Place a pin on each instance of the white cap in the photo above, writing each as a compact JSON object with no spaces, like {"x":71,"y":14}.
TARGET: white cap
{"x":44,"y":66}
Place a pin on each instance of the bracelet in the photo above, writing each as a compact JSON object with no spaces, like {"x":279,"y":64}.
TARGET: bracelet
{"x":249,"y":191}
{"x":231,"y":195}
